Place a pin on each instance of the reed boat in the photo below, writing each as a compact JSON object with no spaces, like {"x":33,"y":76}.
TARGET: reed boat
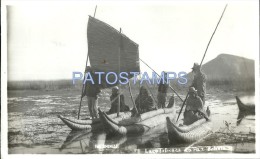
{"x":93,"y":125}
{"x":136,"y":125}
{"x":244,"y":110}
{"x":190,"y":133}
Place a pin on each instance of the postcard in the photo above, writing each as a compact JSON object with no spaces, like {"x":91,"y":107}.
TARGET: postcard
{"x":150,"y":79}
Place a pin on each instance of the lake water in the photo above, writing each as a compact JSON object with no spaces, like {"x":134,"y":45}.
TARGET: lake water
{"x":33,"y":126}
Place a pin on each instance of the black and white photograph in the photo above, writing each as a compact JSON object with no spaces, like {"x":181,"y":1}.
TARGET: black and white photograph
{"x":167,"y":78}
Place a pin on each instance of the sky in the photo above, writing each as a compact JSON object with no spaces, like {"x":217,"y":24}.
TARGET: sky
{"x":49,"y":42}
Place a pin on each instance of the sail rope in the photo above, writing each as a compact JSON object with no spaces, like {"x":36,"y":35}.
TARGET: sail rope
{"x":160,"y":77}
{"x":119,"y":65}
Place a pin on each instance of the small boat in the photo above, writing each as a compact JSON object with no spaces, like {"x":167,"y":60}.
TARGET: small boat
{"x":94,"y":125}
{"x":190,"y":133}
{"x":137,"y":125}
{"x":244,"y":110}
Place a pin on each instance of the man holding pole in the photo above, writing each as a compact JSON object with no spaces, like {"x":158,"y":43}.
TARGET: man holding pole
{"x":162,"y":91}
{"x":92,"y":90}
{"x":199,"y":81}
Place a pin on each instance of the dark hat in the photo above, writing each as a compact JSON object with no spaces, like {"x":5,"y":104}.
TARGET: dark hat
{"x":115,"y":88}
{"x":195,"y":66}
{"x":192,"y":90}
{"x":88,"y":68}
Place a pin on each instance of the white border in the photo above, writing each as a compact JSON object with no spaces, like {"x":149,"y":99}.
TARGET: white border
{"x":4,"y":124}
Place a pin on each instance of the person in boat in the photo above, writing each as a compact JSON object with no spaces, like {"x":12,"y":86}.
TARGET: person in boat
{"x":199,"y":81}
{"x":92,"y":91}
{"x":194,"y":107}
{"x":114,"y":101}
{"x":144,"y":101}
{"x":171,"y":102}
{"x":162,"y":91}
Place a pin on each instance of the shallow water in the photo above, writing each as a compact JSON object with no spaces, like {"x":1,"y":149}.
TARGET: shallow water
{"x":33,"y":126}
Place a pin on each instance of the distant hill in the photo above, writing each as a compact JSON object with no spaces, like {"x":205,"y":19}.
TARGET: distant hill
{"x":227,"y":72}
{"x":227,"y":67}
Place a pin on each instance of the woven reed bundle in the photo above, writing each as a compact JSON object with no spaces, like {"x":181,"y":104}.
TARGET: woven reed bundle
{"x":198,"y":132}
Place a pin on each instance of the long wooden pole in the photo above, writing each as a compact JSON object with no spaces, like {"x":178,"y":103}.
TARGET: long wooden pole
{"x":82,"y":90}
{"x":119,"y":65}
{"x":204,"y":56}
{"x":213,"y":35}
{"x":182,"y":106}
{"x":160,"y":77}
{"x":130,"y":90}
{"x":83,"y":86}
{"x":95,"y":11}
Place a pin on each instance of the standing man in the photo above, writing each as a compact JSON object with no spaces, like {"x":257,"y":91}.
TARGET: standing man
{"x":92,"y":90}
{"x":162,"y":91}
{"x":199,"y":81}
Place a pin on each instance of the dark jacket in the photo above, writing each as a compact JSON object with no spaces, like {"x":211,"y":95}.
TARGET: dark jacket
{"x":92,"y":90}
{"x":193,"y":109}
{"x":144,"y":103}
{"x":163,"y":87}
{"x":114,"y":104}
{"x":194,"y":103}
{"x":199,"y":83}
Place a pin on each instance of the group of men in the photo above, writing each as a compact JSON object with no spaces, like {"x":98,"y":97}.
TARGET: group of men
{"x":144,"y":102}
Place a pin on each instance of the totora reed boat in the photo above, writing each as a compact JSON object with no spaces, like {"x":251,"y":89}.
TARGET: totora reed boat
{"x":190,"y":133}
{"x":137,"y":125}
{"x":89,"y":124}
{"x":244,"y":110}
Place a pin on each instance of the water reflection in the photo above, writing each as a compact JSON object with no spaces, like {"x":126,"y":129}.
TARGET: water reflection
{"x":100,"y":142}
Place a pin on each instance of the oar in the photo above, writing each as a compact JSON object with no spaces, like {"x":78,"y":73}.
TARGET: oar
{"x":83,"y":87}
{"x":130,"y":90}
{"x":182,"y":106}
{"x":204,"y":56}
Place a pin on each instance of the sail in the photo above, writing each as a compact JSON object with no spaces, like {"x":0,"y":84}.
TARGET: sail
{"x":109,"y":50}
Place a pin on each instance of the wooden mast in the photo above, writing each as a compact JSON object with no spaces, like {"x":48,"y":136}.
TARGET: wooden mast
{"x":119,"y":65}
{"x":83,"y":86}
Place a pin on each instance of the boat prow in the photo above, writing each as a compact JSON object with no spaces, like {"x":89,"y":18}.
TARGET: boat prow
{"x":188,"y":134}
{"x":75,"y":124}
{"x":110,"y":126}
{"x":244,"y":110}
{"x":91,"y":124}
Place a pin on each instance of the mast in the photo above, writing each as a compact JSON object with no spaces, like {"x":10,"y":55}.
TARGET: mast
{"x":95,"y":11}
{"x":119,"y":65}
{"x":83,"y":86}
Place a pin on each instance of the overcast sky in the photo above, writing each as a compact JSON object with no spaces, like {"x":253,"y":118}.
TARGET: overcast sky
{"x":49,"y":42}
